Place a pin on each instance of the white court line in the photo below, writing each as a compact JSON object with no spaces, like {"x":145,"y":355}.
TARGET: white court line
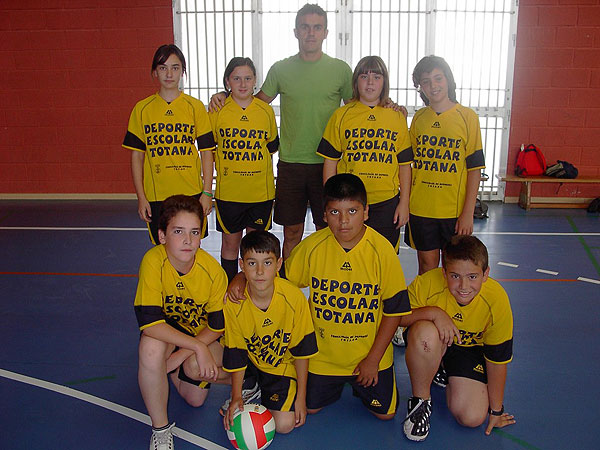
{"x":549,"y":272}
{"x":588,"y":280}
{"x":123,"y":410}
{"x":306,"y":233}
{"x":500,"y":263}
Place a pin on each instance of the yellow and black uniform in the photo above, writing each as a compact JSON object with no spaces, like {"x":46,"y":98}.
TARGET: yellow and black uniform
{"x":270,"y":341}
{"x":371,"y":142}
{"x":350,"y":292}
{"x":485,"y":324}
{"x":189,"y":302}
{"x":168,"y":134}
{"x":245,"y":189}
{"x":446,"y":146}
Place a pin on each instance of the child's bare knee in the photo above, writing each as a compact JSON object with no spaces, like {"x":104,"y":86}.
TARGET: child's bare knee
{"x":284,"y":427}
{"x":469,"y":417}
{"x":195,"y":401}
{"x":424,"y":336}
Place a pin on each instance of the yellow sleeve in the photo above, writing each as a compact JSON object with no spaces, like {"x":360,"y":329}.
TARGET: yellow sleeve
{"x":297,"y":267}
{"x":204,"y":134}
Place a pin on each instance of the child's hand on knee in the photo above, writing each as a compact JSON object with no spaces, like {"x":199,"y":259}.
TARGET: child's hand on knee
{"x":207,"y":366}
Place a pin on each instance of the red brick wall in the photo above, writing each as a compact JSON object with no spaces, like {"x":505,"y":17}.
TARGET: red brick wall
{"x":72,"y":71}
{"x":556,"y":103}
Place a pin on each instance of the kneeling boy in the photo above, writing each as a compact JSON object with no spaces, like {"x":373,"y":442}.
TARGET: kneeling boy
{"x":179,"y":308}
{"x":357,"y":298}
{"x":270,"y":335}
{"x":461,"y":319}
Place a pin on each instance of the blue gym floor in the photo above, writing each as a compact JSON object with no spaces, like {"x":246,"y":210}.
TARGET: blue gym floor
{"x":68,"y":366}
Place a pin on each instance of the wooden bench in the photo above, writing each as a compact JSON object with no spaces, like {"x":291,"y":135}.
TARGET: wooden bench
{"x":526,"y":182}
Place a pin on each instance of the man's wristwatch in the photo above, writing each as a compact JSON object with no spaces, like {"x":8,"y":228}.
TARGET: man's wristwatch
{"x":496,"y":413}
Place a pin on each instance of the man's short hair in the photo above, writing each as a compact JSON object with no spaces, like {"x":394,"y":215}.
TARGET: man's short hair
{"x":426,"y":65}
{"x":310,"y":9}
{"x":261,"y":242}
{"x":344,"y":186}
{"x":465,"y":248}
{"x":176,"y":203}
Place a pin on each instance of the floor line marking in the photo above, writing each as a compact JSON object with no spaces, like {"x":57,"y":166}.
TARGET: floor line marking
{"x":552,"y":280}
{"x":515,"y":439}
{"x":549,"y":272}
{"x":306,"y":233}
{"x":585,"y":246}
{"x":115,"y":407}
{"x":90,"y":380}
{"x":588,"y":280}
{"x":75,"y":274}
{"x":500,"y":263}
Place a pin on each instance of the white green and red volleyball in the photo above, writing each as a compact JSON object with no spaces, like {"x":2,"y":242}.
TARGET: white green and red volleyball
{"x":252,"y":429}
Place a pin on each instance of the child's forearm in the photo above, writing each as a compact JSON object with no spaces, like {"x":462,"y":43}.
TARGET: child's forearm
{"x":496,"y":374}
{"x":329,"y":169}
{"x":301,"y":376}
{"x":387,"y":328}
{"x":207,"y":159}
{"x":405,"y":178}
{"x":472,"y":187}
{"x":166,"y":333}
{"x":237,"y":380}
{"x":137,"y":173}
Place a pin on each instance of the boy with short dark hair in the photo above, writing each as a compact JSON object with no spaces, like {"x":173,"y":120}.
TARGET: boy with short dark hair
{"x":270,"y":335}
{"x":179,"y":308}
{"x":461,"y":319}
{"x":357,"y":298}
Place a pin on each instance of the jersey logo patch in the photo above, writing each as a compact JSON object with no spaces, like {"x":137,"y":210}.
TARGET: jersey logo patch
{"x":458,"y":316}
{"x":375,"y":403}
{"x":267,"y":322}
{"x":322,"y":333}
{"x":371,"y":118}
{"x":157,"y":168}
{"x":478,"y":368}
{"x":169,"y":113}
{"x":180,"y":285}
{"x":258,"y":221}
{"x":346,"y":266}
{"x":436,"y":124}
{"x":244,"y":118}
{"x":274,"y":398}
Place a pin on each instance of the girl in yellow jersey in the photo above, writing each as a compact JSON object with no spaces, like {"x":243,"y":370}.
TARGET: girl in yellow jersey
{"x":165,"y":132}
{"x":246,"y":135}
{"x":371,"y":141}
{"x":446,"y":140}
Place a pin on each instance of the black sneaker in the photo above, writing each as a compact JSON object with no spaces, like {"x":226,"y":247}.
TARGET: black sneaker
{"x":441,"y":377}
{"x":416,"y":424}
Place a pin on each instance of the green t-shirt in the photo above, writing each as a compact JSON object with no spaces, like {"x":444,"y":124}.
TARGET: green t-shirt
{"x":310,"y":92}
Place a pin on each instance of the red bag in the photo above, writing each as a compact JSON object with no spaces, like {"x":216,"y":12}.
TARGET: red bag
{"x":530,"y":162}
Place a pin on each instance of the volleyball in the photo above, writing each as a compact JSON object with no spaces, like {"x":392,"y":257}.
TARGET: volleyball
{"x":252,"y":429}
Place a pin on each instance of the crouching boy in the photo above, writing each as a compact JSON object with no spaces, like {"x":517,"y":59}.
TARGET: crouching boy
{"x":460,"y":332}
{"x":179,"y":308}
{"x":270,"y":335}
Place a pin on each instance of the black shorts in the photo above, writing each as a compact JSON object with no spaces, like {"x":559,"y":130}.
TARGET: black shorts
{"x":466,"y":362}
{"x":233,"y":217}
{"x":381,"y":219}
{"x":153,"y":225}
{"x":276,"y":392}
{"x":425,"y":233}
{"x":323,"y":390}
{"x":298,"y":185}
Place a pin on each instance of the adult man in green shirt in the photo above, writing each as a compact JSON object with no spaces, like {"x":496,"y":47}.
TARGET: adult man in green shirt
{"x":312,"y":85}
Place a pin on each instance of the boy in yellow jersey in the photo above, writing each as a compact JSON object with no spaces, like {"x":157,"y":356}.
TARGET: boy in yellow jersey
{"x":179,"y":308}
{"x":448,"y":158}
{"x":462,"y":319}
{"x":270,"y":335}
{"x":357,"y":299}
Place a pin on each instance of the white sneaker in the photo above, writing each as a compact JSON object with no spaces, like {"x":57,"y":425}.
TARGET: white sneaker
{"x":248,"y":395}
{"x":162,"y":439}
{"x":398,"y":340}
